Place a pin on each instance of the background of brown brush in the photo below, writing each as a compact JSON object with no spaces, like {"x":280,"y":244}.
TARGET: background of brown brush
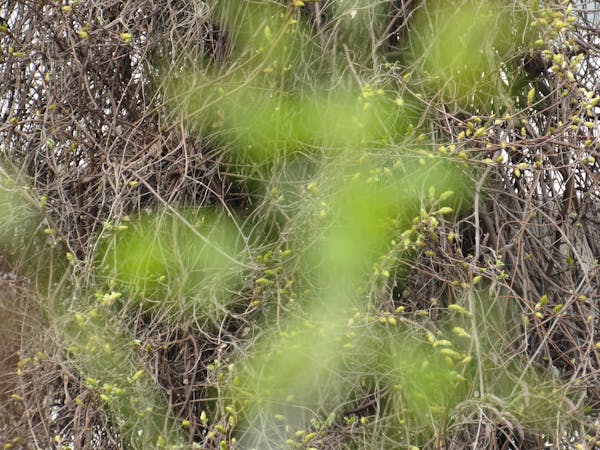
{"x":85,"y":121}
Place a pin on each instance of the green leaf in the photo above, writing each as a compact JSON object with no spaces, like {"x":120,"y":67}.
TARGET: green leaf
{"x":531,"y":96}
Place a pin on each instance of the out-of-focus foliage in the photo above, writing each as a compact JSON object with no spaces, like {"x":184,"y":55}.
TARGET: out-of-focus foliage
{"x":183,"y":262}
{"x":27,"y":240}
{"x":112,"y":371}
{"x":463,"y":50}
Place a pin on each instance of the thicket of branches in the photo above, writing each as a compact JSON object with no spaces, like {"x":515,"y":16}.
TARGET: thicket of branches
{"x":112,"y":110}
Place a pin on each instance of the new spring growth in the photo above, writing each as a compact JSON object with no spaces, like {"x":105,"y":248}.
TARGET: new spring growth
{"x":479,"y":133}
{"x":460,"y":332}
{"x":444,"y":210}
{"x":109,"y":298}
{"x":126,"y":37}
{"x":459,"y":309}
{"x":451,"y":353}
{"x":446,"y":195}
{"x":136,"y":376}
{"x":203,"y":418}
